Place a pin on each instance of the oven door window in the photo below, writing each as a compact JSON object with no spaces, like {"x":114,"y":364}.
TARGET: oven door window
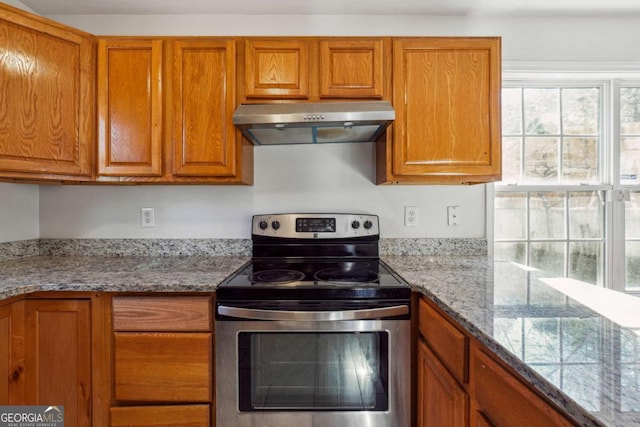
{"x":319,"y":371}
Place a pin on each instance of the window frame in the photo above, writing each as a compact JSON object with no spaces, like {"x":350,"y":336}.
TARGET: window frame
{"x":609,"y":78}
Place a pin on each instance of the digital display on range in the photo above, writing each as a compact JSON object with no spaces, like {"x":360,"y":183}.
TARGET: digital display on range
{"x":315,"y":225}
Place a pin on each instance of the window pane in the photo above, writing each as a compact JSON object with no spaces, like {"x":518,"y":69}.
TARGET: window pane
{"x":580,"y":160}
{"x":580,"y":111}
{"x":632,"y":216}
{"x":629,"y":160}
{"x":512,"y":111}
{"x":586,"y":215}
{"x":630,"y":110}
{"x":511,"y":159}
{"x":510,"y":216}
{"x":586,"y":262}
{"x":511,"y":251}
{"x":632,"y":252}
{"x":547,"y":215}
{"x":548,"y":256}
{"x":541,"y":159}
{"x":542,"y":343}
{"x":541,"y":111}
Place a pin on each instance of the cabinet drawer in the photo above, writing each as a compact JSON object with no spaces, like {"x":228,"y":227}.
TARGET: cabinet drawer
{"x":144,"y":313}
{"x":181,"y":416}
{"x":446,"y":340}
{"x":163,"y":367}
{"x":502,"y":400}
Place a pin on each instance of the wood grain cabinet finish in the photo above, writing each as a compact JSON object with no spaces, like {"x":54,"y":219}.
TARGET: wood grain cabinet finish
{"x":204,"y":138}
{"x":47,"y":102}
{"x":441,"y":400}
{"x":446,"y":93}
{"x":352,"y":68}
{"x":130,"y":134}
{"x":500,"y":399}
{"x":277,"y":68}
{"x":161,"y":415}
{"x":58,"y":357}
{"x":159,"y":313}
{"x":12,"y":353}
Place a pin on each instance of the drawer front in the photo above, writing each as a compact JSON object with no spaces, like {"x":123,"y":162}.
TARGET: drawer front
{"x":446,"y":340}
{"x":502,"y":400}
{"x":163,"y":367}
{"x":180,"y":416}
{"x":143,"y":313}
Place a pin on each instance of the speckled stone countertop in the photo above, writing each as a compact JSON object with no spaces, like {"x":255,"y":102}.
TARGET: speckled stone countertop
{"x":585,"y":356}
{"x":116,"y":274}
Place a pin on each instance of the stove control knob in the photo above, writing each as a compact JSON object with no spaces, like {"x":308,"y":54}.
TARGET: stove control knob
{"x":355,"y":224}
{"x":263,"y":225}
{"x":368,"y":224}
{"x":275,"y":224}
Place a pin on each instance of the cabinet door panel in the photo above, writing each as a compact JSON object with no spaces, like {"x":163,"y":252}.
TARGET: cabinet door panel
{"x":46,"y":106}
{"x":156,"y":416}
{"x":159,"y":313}
{"x":352,"y":69}
{"x":204,"y":101}
{"x":277,"y":69}
{"x":163,"y":367}
{"x":447,"y":95}
{"x":58,"y":357}
{"x":130,"y":108}
{"x":441,"y":400}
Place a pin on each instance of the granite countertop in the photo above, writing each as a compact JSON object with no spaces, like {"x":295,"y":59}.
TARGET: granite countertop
{"x":576,"y":343}
{"x":582,"y":355}
{"x":116,"y":274}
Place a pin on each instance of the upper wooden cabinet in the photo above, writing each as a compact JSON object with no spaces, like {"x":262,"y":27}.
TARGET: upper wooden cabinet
{"x":47,"y":102}
{"x":165,"y":110}
{"x":130,"y":107}
{"x":313,"y":69}
{"x":446,"y":93}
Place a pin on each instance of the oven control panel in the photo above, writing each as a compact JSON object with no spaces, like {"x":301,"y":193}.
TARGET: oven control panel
{"x":316,"y":226}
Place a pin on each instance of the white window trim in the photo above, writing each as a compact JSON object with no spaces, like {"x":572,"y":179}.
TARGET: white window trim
{"x":611,"y":76}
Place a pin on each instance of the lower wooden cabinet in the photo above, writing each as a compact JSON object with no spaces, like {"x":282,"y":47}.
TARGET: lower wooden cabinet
{"x":501,"y":400}
{"x":175,"y":416}
{"x":441,"y":400}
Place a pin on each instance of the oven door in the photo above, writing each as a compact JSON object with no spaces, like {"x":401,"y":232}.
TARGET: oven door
{"x":313,"y":372}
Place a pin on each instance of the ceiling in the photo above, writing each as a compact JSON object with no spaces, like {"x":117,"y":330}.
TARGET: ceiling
{"x":337,"y":7}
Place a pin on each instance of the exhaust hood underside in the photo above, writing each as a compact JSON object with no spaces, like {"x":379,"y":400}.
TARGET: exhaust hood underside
{"x":313,"y":123}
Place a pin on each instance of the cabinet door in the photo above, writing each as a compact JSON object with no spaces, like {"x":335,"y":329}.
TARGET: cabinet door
{"x":163,"y":367}
{"x":47,"y":98}
{"x":500,"y":399}
{"x":174,"y":416}
{"x":441,"y":400}
{"x":352,"y":68}
{"x":12,"y":354}
{"x":129,"y":107}
{"x":58,"y":357}
{"x":446,"y":93}
{"x":204,"y":138}
{"x":277,"y":69}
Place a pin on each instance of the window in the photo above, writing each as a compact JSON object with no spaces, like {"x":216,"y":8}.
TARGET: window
{"x":569,"y":202}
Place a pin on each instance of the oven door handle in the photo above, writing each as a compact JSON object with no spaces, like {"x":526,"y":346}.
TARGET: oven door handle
{"x":312,"y":316}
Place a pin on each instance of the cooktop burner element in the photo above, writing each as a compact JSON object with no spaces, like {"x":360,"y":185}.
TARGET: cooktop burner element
{"x":314,"y":256}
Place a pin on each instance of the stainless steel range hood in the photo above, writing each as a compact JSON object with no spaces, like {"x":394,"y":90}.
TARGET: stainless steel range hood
{"x":313,"y":123}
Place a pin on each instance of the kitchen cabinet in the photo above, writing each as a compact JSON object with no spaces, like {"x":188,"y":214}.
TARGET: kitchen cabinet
{"x":57,"y":357}
{"x":446,"y":94}
{"x":315,"y":69}
{"x":12,"y":353}
{"x":47,"y":75}
{"x":165,"y":111}
{"x":162,"y":360}
{"x":460,"y":382}
{"x":500,"y":399}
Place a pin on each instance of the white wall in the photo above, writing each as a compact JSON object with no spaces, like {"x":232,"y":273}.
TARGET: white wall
{"x":318,"y":178}
{"x":18,"y":212}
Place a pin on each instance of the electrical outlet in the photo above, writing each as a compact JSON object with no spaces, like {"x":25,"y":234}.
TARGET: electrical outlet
{"x":452,"y":216}
{"x":147,"y":218}
{"x":410,"y":216}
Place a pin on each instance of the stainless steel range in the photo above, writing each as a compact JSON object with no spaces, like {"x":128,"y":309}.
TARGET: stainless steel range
{"x":315,"y":331}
